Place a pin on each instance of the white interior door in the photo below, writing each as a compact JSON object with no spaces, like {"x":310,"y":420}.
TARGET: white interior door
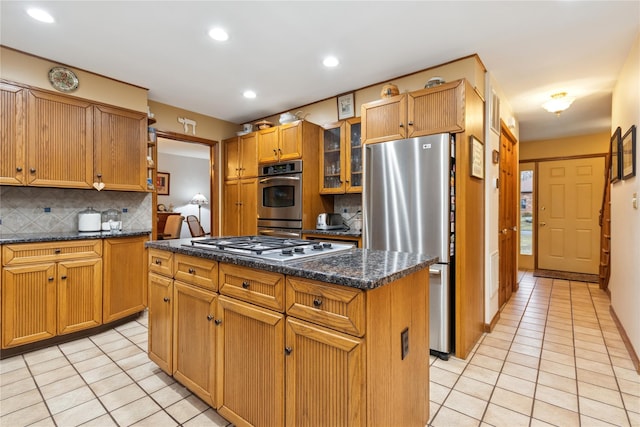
{"x":569,"y":199}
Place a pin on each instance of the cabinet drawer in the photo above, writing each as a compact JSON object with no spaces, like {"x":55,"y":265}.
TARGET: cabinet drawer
{"x":255,"y":286}
{"x":337,"y":307}
{"x":28,"y":253}
{"x":161,"y":262}
{"x":197,"y":271}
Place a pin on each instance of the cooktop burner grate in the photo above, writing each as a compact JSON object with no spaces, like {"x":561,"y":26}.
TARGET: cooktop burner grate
{"x":254,"y":244}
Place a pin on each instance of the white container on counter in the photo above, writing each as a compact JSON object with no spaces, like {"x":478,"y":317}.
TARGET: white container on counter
{"x":89,"y":220}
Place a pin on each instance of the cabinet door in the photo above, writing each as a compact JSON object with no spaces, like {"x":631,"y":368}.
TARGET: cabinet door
{"x":125,"y":274}
{"x":79,"y":295}
{"x":384,"y":120}
{"x":28,"y":304}
{"x":194,"y":347}
{"x":250,"y":389}
{"x":249,"y":155}
{"x":353,"y":157}
{"x":60,"y":141}
{"x":232,"y":158}
{"x":436,"y":110}
{"x":120,"y":149}
{"x":249,"y":206}
{"x":231,"y":209}
{"x":161,"y":321}
{"x":12,"y":137}
{"x":324,"y":377}
{"x":268,"y":145}
{"x":332,"y":159}
{"x":290,"y":141}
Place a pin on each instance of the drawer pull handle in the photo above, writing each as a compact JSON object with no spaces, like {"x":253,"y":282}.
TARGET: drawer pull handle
{"x":19,"y":169}
{"x":410,"y":123}
{"x":210,"y":317}
{"x":50,"y":279}
{"x":245,"y":285}
{"x":192,"y":271}
{"x":32,"y":170}
{"x":57,"y":251}
{"x":218,"y":321}
{"x":288,"y":350}
{"x":317,"y":302}
{"x":158,"y":262}
{"x":166,"y":299}
{"x":63,"y":277}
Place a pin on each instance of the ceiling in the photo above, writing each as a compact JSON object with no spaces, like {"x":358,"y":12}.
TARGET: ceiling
{"x":532,"y":49}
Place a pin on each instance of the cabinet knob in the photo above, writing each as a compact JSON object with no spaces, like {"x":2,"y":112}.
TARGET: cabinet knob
{"x":288,"y":350}
{"x":317,"y":302}
{"x":158,"y":262}
{"x":166,"y":299}
{"x":410,"y":123}
{"x":50,"y":278}
{"x":210,"y":317}
{"x":19,"y":169}
{"x":245,"y":285}
{"x":63,"y":277}
{"x":401,"y":125}
{"x":275,"y":152}
{"x":279,"y":151}
{"x":99,"y":175}
{"x":32,"y":170}
{"x":218,"y":322}
{"x":192,"y":271}
{"x":57,"y":251}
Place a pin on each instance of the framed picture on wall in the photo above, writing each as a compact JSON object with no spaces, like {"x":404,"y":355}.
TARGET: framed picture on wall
{"x":476,"y":152}
{"x":346,"y":108}
{"x":162,"y":183}
{"x":615,"y":158}
{"x":628,"y":153}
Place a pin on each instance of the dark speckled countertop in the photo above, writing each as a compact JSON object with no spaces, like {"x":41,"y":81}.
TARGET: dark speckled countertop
{"x":56,"y":237}
{"x":338,"y":232}
{"x":358,"y":268}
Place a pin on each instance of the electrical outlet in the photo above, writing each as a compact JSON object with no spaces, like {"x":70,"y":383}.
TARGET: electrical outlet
{"x":125,"y":210}
{"x":344,"y":210}
{"x":47,"y":210}
{"x":404,"y":342}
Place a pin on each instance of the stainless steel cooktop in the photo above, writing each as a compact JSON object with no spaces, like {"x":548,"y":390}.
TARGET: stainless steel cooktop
{"x":270,"y":248}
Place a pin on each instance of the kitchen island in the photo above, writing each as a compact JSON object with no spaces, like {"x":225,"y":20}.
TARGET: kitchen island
{"x":338,"y":339}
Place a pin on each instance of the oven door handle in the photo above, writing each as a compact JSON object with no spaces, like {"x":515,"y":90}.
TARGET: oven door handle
{"x":279,"y":233}
{"x":285,"y":178}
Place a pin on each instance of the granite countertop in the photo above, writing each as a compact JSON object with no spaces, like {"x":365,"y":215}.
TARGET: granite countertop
{"x":357,"y":268}
{"x":71,"y":235}
{"x":338,"y":232}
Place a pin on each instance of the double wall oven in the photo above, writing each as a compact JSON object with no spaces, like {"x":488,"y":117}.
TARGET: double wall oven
{"x":280,"y":199}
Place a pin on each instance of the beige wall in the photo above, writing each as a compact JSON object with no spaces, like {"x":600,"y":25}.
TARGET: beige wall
{"x":564,"y":147}
{"x":625,"y":219}
{"x":22,"y":68}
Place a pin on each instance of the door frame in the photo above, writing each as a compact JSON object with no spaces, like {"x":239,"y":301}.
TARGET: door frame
{"x":214,"y":191}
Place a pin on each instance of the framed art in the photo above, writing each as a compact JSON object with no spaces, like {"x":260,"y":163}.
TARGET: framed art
{"x":477,"y":157}
{"x":495,"y":112}
{"x":346,"y":108}
{"x":495,"y":156}
{"x":162,"y":183}
{"x":628,"y":154}
{"x":615,"y":158}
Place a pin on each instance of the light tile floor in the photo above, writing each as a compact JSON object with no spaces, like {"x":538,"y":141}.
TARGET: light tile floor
{"x":554,"y":358}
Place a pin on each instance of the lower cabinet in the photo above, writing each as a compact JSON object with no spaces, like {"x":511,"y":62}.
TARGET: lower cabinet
{"x":250,"y":366}
{"x":161,"y":321}
{"x":79,"y":295}
{"x":194,"y":343}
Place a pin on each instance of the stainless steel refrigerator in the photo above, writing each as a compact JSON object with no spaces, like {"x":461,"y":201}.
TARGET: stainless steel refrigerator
{"x":408,"y":206}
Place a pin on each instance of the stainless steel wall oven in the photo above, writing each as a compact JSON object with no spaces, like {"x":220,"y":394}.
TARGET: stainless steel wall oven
{"x":280,"y":198}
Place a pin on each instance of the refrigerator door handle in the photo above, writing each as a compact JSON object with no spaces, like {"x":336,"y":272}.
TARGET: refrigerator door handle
{"x":433,"y":272}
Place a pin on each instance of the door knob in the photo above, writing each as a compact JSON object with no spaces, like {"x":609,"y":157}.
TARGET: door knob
{"x":514,"y":228}
{"x":542,"y":224}
{"x":504,"y":231}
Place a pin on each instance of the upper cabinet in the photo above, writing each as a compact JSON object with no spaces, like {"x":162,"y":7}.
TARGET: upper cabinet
{"x":341,"y":158}
{"x":423,"y":112}
{"x":56,"y":140}
{"x":281,"y":143}
{"x":241,"y":154}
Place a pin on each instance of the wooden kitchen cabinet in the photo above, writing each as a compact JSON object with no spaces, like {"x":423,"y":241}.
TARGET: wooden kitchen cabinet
{"x":251,"y":383}
{"x":241,"y":154}
{"x":341,"y":158}
{"x":13,"y":148}
{"x":423,"y":112}
{"x":120,"y":149}
{"x":286,"y":142}
{"x":240,"y":210}
{"x":50,"y":289}
{"x":125,"y":275}
{"x":259,"y":287}
{"x":194,"y":339}
{"x":268,"y":145}
{"x":160,"y":348}
{"x":59,"y":141}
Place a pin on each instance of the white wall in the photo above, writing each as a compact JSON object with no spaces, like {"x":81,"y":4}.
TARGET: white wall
{"x":492,"y":172}
{"x":188,"y":176}
{"x":625,"y":219}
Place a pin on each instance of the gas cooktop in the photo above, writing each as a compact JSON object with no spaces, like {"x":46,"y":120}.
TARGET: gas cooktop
{"x":269,"y":248}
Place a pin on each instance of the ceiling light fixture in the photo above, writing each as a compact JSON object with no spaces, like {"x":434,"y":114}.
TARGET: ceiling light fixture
{"x":40,"y":15}
{"x":249,"y":94}
{"x":218,"y":34}
{"x":558,"y":103}
{"x":330,"y":61}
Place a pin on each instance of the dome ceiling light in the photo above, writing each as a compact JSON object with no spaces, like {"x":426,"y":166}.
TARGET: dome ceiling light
{"x":558,"y":103}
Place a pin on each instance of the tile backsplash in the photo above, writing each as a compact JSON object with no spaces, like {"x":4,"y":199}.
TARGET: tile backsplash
{"x":349,"y":206}
{"x":43,"y":210}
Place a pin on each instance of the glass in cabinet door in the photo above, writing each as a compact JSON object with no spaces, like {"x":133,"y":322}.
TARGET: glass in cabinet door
{"x":331,"y":167}
{"x":354,"y":184}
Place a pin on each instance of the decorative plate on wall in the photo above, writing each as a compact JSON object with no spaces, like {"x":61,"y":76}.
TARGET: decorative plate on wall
{"x":63,"y":79}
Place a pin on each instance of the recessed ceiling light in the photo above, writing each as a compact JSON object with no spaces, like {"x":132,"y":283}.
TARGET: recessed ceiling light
{"x":249,"y":94}
{"x":330,"y":61}
{"x":218,"y":34}
{"x":40,"y":15}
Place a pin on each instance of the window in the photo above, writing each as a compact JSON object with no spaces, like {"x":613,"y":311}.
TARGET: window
{"x":526,"y":212}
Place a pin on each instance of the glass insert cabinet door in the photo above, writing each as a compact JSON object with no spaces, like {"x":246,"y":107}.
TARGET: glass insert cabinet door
{"x":341,"y":158}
